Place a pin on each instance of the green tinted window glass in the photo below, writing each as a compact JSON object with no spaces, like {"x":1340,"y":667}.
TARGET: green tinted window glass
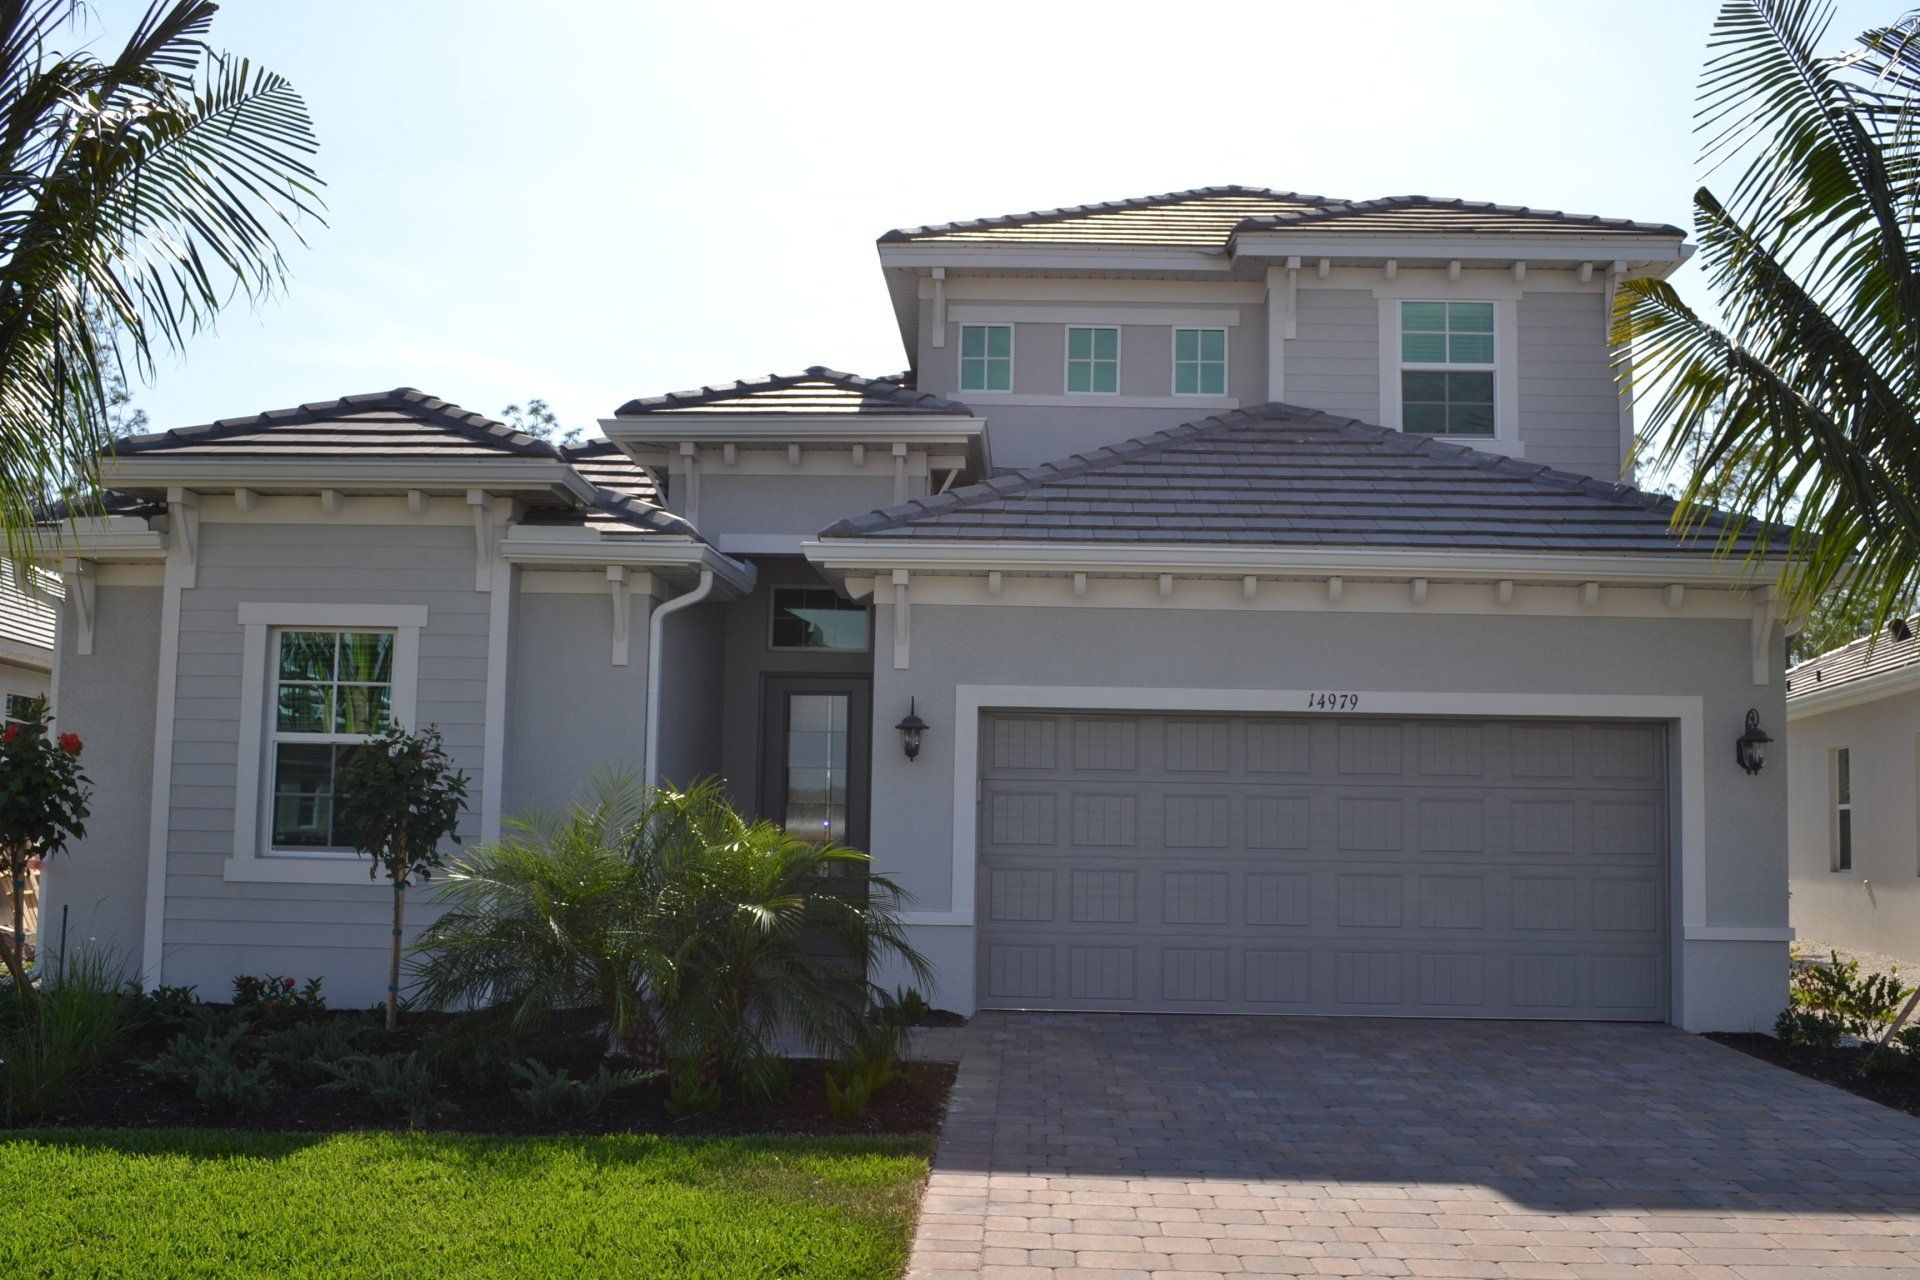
{"x":1186,"y":379}
{"x":307,"y":655}
{"x":1470,"y":317}
{"x":366,"y":656}
{"x":1199,"y":362}
{"x":1424,"y":419}
{"x":1106,"y":344}
{"x":1079,"y":344}
{"x":999,"y":341}
{"x":1423,"y":348}
{"x":1423,"y":317}
{"x":1434,"y":401}
{"x":973,"y":340}
{"x":1470,"y":348}
{"x":1093,"y":361}
{"x":1186,"y":344}
{"x":986,"y":357}
{"x":1213,"y":344}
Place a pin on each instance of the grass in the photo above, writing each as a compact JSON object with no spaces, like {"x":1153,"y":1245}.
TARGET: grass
{"x":190,"y":1203}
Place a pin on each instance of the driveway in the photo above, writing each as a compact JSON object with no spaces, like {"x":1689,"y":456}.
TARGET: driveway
{"x":1104,"y":1147}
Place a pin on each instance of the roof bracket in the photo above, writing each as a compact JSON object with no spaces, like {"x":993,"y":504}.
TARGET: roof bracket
{"x":1079,"y":584}
{"x":1249,"y":587}
{"x":902,"y":621}
{"x":183,"y":515}
{"x":82,"y":592}
{"x":417,"y":502}
{"x":1334,"y":587}
{"x":482,"y":503}
{"x":939,"y":307}
{"x":1503,"y":591}
{"x":1418,"y":590}
{"x":1166,"y":586}
{"x":245,"y":499}
{"x":622,"y":592}
{"x":1761,"y":634}
{"x":332,"y":501}
{"x":1674,"y":596}
{"x":1589,"y":594}
{"x":994,"y":582}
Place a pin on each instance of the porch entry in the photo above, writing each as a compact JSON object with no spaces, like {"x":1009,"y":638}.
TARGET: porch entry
{"x":815,"y":760}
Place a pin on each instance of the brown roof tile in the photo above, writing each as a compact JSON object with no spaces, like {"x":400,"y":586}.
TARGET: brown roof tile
{"x":819,"y":390}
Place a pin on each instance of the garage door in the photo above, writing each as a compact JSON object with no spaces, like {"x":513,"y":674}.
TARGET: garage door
{"x":1323,"y":865}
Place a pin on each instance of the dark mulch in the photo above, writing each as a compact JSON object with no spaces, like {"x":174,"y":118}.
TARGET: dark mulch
{"x":940,"y":1018}
{"x":119,"y":1095}
{"x":1841,"y":1068}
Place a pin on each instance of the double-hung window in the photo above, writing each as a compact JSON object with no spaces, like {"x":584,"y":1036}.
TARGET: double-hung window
{"x":1199,"y":362}
{"x":1447,"y":368}
{"x":986,"y":357}
{"x":1842,"y":809}
{"x":1093,"y":361}
{"x":332,"y":690}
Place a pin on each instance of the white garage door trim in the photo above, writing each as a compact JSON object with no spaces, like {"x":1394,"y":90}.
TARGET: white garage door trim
{"x":1688,"y":769}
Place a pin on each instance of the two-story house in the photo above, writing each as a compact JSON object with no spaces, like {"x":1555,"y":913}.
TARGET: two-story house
{"x":1259,"y":566}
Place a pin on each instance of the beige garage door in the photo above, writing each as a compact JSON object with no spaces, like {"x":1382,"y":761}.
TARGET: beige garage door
{"x":1323,"y":865}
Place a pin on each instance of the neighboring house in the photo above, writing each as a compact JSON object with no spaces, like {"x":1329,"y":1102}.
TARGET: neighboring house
{"x":1257,"y":563}
{"x":1853,"y":764}
{"x":27,"y":600}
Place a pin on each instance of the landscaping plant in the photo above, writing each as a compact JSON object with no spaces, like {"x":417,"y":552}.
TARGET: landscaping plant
{"x":400,"y":796}
{"x":872,"y":1061}
{"x":206,"y":1059}
{"x":551,"y":1094}
{"x":43,"y":804}
{"x":1832,"y":1002}
{"x":75,"y":1022}
{"x":275,"y":1001}
{"x":696,"y":935}
{"x":403,"y":1086}
{"x":309,"y":1051}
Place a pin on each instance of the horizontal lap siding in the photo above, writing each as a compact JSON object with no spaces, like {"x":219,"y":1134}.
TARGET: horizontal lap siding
{"x":1569,"y":401}
{"x":1333,"y":360}
{"x":303,"y":929}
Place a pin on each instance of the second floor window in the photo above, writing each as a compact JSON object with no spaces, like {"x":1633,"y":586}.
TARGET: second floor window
{"x":1093,"y":361}
{"x":1446,"y":368}
{"x":1199,"y":362}
{"x":986,"y":357}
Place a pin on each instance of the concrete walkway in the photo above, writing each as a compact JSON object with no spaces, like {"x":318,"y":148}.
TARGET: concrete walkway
{"x":1134,"y":1147}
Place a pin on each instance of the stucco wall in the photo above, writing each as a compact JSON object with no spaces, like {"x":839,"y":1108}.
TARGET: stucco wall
{"x":1876,"y":906}
{"x":798,"y":505}
{"x":107,"y":697}
{"x":982,"y":644}
{"x":691,"y":676}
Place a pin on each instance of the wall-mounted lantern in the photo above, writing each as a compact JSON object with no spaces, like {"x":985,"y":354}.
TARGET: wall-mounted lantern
{"x":1751,"y":747}
{"x":911,"y":727}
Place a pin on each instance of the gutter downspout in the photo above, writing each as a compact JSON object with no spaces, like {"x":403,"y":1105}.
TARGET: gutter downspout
{"x":655,"y":630}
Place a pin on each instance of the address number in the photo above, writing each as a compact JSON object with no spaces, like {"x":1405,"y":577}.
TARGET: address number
{"x":1333,"y":702}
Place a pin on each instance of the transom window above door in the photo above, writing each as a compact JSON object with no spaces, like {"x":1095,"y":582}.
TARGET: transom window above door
{"x":332,"y":691}
{"x":986,"y":357}
{"x":817,"y":618}
{"x":1447,"y":368}
{"x":1093,"y":361}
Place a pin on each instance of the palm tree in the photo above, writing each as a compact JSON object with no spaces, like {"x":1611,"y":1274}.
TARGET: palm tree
{"x":1801,"y":409}
{"x":148,"y":188}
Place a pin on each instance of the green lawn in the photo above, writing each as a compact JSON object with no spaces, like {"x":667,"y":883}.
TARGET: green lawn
{"x":196,"y":1203}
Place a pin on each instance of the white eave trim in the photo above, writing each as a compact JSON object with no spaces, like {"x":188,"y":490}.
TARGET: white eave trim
{"x":1115,"y":257}
{"x":670,"y":427}
{"x":136,"y":472}
{"x":115,"y":538}
{"x":589,"y":548}
{"x":866,"y":555}
{"x":1649,"y":249}
{"x":1852,"y":693}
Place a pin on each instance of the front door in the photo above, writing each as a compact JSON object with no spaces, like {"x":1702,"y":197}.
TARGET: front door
{"x":814,"y":757}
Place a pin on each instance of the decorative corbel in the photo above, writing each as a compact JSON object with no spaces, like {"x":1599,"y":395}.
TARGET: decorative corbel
{"x":690,"y":503}
{"x":1674,"y":596}
{"x":1334,"y":587}
{"x":1503,"y":592}
{"x":1166,"y":586}
{"x":482,"y":504}
{"x":1079,"y":584}
{"x":1249,"y":587}
{"x":417,"y":502}
{"x":793,"y":455}
{"x":994,"y":582}
{"x":245,"y":499}
{"x":1764,"y":600}
{"x":183,"y":518}
{"x":730,"y":454}
{"x":1453,"y":269}
{"x":902,"y":620}
{"x":1417,"y":590}
{"x":618,"y":586}
{"x":332,"y":501}
{"x":1519,"y":271}
{"x":939,"y":306}
{"x":899,"y":474}
{"x":83,"y":594}
{"x":1589,"y":594}
{"x":859,"y":455}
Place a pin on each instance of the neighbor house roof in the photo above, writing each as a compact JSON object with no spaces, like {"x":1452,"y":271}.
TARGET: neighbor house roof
{"x":819,"y":390}
{"x":385,"y":425}
{"x":1867,"y":663}
{"x":1208,"y":217}
{"x":1277,"y":475}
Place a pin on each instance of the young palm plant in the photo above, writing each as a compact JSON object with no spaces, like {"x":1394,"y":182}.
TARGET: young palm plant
{"x":1804,"y":408}
{"x":698,"y":936}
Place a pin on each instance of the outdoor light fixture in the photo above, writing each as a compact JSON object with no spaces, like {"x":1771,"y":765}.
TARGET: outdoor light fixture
{"x":1751,"y":748}
{"x":910,"y":730}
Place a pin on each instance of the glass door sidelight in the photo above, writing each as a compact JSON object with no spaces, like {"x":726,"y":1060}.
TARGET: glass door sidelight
{"x":815,"y":757}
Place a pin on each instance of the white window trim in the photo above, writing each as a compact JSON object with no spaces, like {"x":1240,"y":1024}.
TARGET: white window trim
{"x":1173,"y":362}
{"x":252,"y":859}
{"x":1835,"y":807}
{"x":960,"y":359}
{"x":1506,"y":359}
{"x":1066,"y":359}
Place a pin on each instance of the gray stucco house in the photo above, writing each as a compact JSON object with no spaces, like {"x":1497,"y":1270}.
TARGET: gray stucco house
{"x":1260,"y":564}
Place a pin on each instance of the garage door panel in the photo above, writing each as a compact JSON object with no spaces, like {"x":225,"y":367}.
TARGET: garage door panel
{"x":1494,"y":869}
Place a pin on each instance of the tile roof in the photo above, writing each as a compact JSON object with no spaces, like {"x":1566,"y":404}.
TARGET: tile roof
{"x":1874,"y":655}
{"x":819,"y":390}
{"x":1277,"y":475}
{"x":398,"y":424}
{"x":1207,"y":217}
{"x":627,"y":496}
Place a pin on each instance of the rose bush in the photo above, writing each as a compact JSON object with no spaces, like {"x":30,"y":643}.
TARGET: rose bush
{"x":43,"y":804}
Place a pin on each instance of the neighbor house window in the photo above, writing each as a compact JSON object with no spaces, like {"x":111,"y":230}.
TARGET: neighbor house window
{"x":19,"y":706}
{"x":1446,"y":368}
{"x":332,"y":690}
{"x":1093,"y":361}
{"x":1199,"y":362}
{"x":986,"y":357}
{"x":1842,"y":809}
{"x":817,"y":618}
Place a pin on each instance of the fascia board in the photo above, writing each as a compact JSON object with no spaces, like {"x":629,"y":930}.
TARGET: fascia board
{"x":669,"y":428}
{"x":965,"y":254}
{"x":135,"y":472}
{"x":1661,"y":570}
{"x":589,"y":547}
{"x":1853,"y":693}
{"x":109,"y":538}
{"x":32,"y":657}
{"x":1649,"y":250}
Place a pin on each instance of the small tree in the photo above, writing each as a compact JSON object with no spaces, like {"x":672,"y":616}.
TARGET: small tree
{"x":400,"y":796}
{"x":43,"y":804}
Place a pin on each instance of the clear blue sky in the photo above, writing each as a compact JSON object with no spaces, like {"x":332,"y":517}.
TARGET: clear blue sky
{"x":588,"y":200}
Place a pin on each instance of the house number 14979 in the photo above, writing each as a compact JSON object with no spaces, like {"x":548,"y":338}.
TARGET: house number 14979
{"x":1333,"y":702}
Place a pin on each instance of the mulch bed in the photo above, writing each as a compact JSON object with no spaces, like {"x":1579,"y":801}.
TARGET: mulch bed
{"x":118,"y":1095}
{"x":1841,"y":1068}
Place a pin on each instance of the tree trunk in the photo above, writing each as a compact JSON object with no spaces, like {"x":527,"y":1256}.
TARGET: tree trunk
{"x":16,"y":953}
{"x":393,"y":961}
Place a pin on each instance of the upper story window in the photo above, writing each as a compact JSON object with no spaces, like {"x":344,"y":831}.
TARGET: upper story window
{"x":817,"y":618}
{"x":1842,"y":809}
{"x":1093,"y":361}
{"x":1447,"y":368}
{"x":19,"y":706}
{"x":986,"y":357}
{"x":1199,"y":362}
{"x":332,"y":691}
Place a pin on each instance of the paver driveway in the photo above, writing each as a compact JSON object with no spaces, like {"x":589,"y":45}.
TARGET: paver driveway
{"x":1102,"y":1147}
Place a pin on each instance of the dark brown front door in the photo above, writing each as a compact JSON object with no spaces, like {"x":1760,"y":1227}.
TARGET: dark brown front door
{"x":815,"y":757}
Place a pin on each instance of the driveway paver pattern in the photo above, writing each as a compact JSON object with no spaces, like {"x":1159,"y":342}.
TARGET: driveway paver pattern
{"x":1137,"y":1147}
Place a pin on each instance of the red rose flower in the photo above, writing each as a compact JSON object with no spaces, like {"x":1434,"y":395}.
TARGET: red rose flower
{"x":13,"y":731}
{"x":287,"y":983}
{"x":70,"y":743}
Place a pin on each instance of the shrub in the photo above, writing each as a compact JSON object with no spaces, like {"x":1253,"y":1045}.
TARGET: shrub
{"x":872,"y":1059}
{"x":910,"y":1007}
{"x":1832,"y":1002}
{"x":172,"y":1004}
{"x":274,"y":1001}
{"x":78,"y":1019}
{"x":206,"y":1059}
{"x":481,"y":1048}
{"x":690,"y":1094}
{"x":43,"y":804}
{"x":691,"y":930}
{"x":308,"y":1051}
{"x":554,"y":1095}
{"x":402,"y":1086}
